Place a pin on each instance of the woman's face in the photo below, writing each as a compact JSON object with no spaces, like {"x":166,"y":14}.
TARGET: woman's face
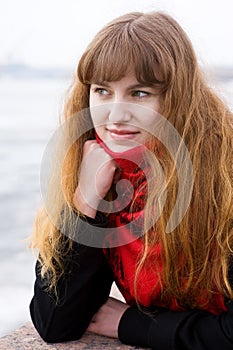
{"x":123,"y":112}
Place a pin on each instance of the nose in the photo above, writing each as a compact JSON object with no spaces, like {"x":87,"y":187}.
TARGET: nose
{"x":119,"y":112}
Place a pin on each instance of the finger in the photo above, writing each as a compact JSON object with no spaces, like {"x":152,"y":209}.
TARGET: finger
{"x":90,"y":145}
{"x":90,"y":328}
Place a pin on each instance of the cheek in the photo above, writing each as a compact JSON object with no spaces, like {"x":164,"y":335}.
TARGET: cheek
{"x":98,"y":115}
{"x":92,"y":99}
{"x":148,"y":120}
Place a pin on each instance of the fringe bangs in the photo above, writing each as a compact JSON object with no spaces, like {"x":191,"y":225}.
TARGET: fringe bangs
{"x":111,"y":55}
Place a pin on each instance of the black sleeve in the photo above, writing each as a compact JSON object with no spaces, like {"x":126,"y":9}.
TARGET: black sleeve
{"x":171,"y":330}
{"x":80,"y":293}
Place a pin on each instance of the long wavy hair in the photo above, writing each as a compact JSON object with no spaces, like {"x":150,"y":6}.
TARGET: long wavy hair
{"x":162,"y":55}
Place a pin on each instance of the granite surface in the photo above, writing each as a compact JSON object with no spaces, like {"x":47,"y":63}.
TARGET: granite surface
{"x":26,"y":338}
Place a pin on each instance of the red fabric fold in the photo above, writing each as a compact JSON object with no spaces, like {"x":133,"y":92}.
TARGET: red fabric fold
{"x":124,"y":258}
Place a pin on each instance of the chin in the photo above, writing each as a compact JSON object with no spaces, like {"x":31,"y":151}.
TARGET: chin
{"x":121,"y":146}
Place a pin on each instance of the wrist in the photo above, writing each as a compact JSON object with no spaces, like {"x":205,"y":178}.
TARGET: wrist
{"x":83,"y":205}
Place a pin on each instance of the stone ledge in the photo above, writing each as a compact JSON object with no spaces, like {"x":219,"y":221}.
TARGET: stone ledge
{"x":26,"y":338}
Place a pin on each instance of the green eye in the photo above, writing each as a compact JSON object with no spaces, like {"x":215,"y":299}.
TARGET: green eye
{"x":139,"y":93}
{"x":102,"y":91}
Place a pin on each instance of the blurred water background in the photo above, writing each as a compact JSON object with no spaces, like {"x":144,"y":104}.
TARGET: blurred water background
{"x":29,"y":112}
{"x":29,"y":109}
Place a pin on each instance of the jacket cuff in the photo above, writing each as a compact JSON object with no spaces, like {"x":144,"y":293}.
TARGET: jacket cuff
{"x":138,"y":328}
{"x":134,"y":327}
{"x":164,"y":329}
{"x":88,"y":231}
{"x":100,"y":220}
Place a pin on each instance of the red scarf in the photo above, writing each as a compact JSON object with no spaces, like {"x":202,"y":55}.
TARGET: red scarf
{"x":122,"y":259}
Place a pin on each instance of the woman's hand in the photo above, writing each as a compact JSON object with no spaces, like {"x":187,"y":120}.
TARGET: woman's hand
{"x":106,"y":320}
{"x":97,"y":173}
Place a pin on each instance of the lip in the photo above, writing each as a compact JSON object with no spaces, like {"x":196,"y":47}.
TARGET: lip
{"x":122,"y":134}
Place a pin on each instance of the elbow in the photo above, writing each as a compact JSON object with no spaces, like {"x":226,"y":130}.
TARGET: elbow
{"x":54,"y":335}
{"x":51,"y":338}
{"x":53,"y":332}
{"x":56,"y":326}
{"x":56,"y":331}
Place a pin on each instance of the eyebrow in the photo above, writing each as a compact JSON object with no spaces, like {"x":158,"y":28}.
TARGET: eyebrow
{"x":140,"y":86}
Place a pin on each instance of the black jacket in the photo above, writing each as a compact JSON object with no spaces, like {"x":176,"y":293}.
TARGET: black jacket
{"x":86,"y":286}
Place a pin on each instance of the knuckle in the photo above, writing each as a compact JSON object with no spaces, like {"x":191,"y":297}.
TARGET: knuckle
{"x":112,"y":165}
{"x":90,"y":145}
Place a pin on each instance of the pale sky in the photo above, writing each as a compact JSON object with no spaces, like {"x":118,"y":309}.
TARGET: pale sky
{"x":55,"y":32}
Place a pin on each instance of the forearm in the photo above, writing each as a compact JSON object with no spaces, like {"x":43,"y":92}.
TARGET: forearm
{"x":81,"y":291}
{"x":166,"y":330}
{"x":80,"y":296}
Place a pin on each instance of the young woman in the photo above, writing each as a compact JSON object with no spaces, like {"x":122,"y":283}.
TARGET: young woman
{"x":120,"y":172}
